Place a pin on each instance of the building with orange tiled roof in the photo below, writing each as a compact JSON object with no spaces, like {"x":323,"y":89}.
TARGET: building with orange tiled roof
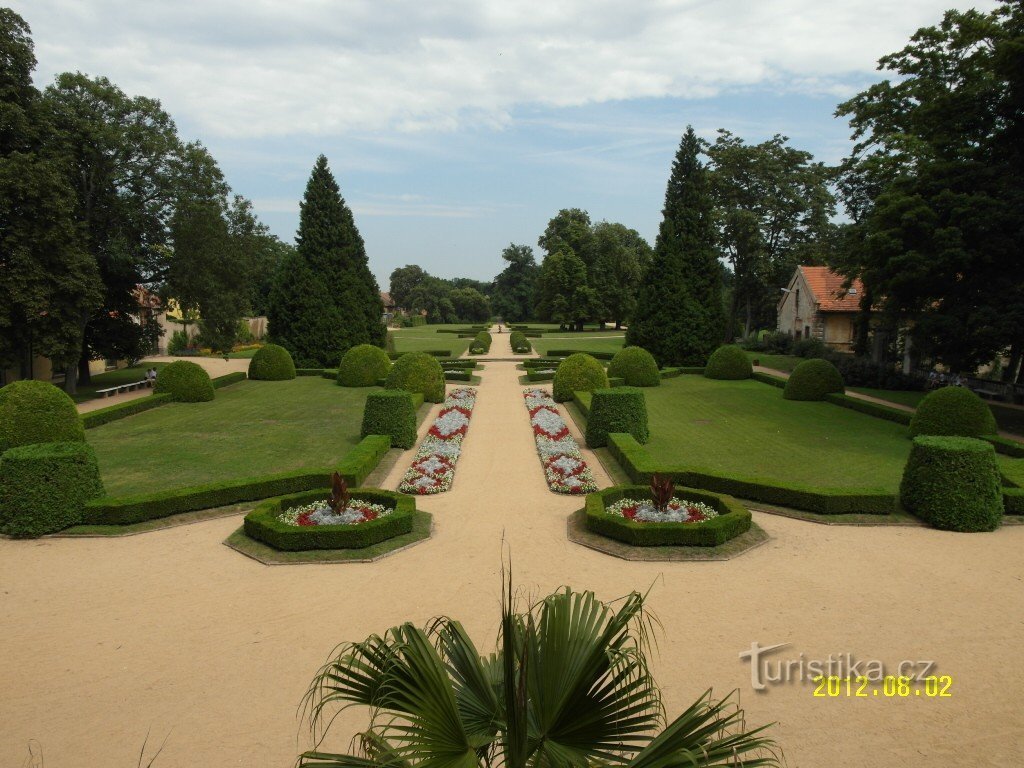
{"x":814,"y":305}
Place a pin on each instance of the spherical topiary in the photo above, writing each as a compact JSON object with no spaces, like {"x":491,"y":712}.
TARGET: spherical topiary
{"x":577,"y":373}
{"x":953,"y":483}
{"x":184,"y":381}
{"x":363,"y":366}
{"x":728,"y":362}
{"x":44,"y":487}
{"x":812,"y":380}
{"x":272,"y":363}
{"x":953,"y":411}
{"x":622,"y":409}
{"x":418,"y":372}
{"x":37,"y":412}
{"x":636,"y":366}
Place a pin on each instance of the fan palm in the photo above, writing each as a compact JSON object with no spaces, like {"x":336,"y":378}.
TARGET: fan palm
{"x":568,"y":685}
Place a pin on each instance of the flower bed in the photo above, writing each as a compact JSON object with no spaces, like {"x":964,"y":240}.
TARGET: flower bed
{"x":563,"y":463}
{"x":433,"y":469}
{"x":318,"y":513}
{"x":678,"y":511}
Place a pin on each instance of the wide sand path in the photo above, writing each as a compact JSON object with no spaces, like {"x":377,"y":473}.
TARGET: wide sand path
{"x":171,"y":632}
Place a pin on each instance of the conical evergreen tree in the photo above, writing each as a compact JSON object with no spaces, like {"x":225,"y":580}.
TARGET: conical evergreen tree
{"x":680,"y":316}
{"x":325,"y":299}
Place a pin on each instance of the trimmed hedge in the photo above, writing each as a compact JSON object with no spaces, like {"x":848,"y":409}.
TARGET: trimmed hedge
{"x":953,"y":483}
{"x":579,"y":371}
{"x":520,"y":344}
{"x":767,"y":378}
{"x":125,"y":510}
{"x":616,"y":381}
{"x":418,"y":372}
{"x":570,"y":352}
{"x":1005,"y":446}
{"x":44,"y":487}
{"x":1013,"y":501}
{"x":272,"y":363}
{"x":481,"y":343}
{"x":37,"y":412}
{"x":622,"y":409}
{"x":953,"y":411}
{"x":262,"y":523}
{"x":228,"y":379}
{"x":636,"y":366}
{"x":121,"y":410}
{"x":812,"y":380}
{"x":451,"y":374}
{"x":393,"y":413}
{"x":728,"y":363}
{"x":733,"y":519}
{"x":535,"y":375}
{"x":636,"y":462}
{"x":185,"y":381}
{"x":362,"y":365}
{"x":871,"y":409}
{"x":310,"y":371}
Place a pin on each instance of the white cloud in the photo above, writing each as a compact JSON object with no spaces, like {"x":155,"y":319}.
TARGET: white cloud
{"x":256,"y":68}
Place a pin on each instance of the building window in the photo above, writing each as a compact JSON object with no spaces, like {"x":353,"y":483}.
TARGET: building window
{"x":807,"y":331}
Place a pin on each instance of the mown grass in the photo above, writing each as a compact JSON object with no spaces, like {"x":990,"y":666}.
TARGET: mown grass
{"x":250,"y":429}
{"x":776,"y":362}
{"x":584,"y":341}
{"x":1009,"y":419}
{"x":113,"y":379}
{"x":901,"y":396}
{"x":426,"y":337}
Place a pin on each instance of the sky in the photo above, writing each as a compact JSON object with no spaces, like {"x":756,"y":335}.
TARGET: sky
{"x":456,"y":127}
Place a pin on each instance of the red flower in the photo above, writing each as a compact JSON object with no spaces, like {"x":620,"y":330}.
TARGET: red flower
{"x":629,"y":513}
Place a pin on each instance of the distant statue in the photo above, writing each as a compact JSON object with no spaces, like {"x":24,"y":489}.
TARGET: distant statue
{"x":35,"y":755}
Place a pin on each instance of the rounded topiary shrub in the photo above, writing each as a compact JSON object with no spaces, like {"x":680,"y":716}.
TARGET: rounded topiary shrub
{"x":812,"y":380}
{"x":37,"y":412}
{"x":622,"y":409}
{"x":953,"y":483}
{"x":728,"y":362}
{"x":272,"y":363}
{"x":953,"y":411}
{"x":184,"y":381}
{"x":635,"y":366}
{"x":363,"y":366}
{"x":577,"y":373}
{"x":393,"y":413}
{"x":418,"y":372}
{"x":44,"y":487}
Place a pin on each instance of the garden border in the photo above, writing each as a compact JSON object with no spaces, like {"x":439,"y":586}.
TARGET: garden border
{"x":102,"y":416}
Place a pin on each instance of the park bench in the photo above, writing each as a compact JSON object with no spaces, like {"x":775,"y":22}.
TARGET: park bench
{"x":131,"y":387}
{"x":987,"y":389}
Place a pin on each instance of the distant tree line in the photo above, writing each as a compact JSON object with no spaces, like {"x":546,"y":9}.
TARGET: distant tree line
{"x":443,"y":300}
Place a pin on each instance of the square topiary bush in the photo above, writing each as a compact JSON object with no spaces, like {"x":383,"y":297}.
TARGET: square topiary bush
{"x":44,"y":487}
{"x":392,"y":413}
{"x":622,"y":409}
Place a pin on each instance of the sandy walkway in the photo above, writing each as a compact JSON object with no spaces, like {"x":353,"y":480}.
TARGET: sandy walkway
{"x":104,"y":640}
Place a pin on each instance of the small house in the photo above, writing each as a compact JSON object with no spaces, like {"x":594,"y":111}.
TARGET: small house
{"x":815,"y":305}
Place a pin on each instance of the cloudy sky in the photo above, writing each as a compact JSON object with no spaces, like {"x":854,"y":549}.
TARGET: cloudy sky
{"x":455,"y":127}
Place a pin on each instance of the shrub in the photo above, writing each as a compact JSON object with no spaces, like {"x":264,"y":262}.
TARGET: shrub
{"x":389,"y":343}
{"x":481,"y":343}
{"x":953,"y":483}
{"x":363,"y":365}
{"x":812,"y":380}
{"x":811,"y":348}
{"x":953,"y":411}
{"x":185,"y":382}
{"x":418,"y":372}
{"x":728,"y":362}
{"x":636,"y":366}
{"x":622,"y":409}
{"x":37,"y":412}
{"x":103,"y":416}
{"x":393,"y":413}
{"x":864,"y":372}
{"x":520,"y":344}
{"x":272,"y":363}
{"x":177,"y":343}
{"x":44,"y":487}
{"x":579,"y":371}
{"x":777,"y":342}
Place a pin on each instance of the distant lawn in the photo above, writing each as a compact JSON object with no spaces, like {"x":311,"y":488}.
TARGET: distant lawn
{"x":426,"y":337}
{"x":584,"y":341}
{"x":778,"y":362}
{"x":113,"y":379}
{"x":252,"y":428}
{"x":901,"y":396}
{"x":1009,"y":419}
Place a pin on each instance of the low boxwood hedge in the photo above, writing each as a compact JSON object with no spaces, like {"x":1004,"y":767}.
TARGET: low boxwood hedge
{"x":481,"y":343}
{"x":519,"y":343}
{"x":570,"y":352}
{"x":450,"y":374}
{"x":263,"y":525}
{"x":125,"y":510}
{"x":185,"y":381}
{"x":418,"y":372}
{"x":228,"y":379}
{"x":272,"y":363}
{"x":953,"y":411}
{"x":728,"y":363}
{"x":362,"y":365}
{"x":1005,"y":446}
{"x":393,"y":413}
{"x":45,"y":486}
{"x":533,"y":374}
{"x":953,"y":483}
{"x":636,"y":366}
{"x":1013,"y":501}
{"x":812,"y":380}
{"x":122,"y":410}
{"x":622,"y":409}
{"x":767,"y":378}
{"x":578,"y":372}
{"x":871,"y":409}
{"x":733,"y":519}
{"x":37,"y":412}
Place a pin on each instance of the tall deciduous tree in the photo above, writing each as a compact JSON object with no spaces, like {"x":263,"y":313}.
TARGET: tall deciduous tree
{"x":343,"y":307}
{"x":679,"y":316}
{"x":513,"y":298}
{"x":621,"y":258}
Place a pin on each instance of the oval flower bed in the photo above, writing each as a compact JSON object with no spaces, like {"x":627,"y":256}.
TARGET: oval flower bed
{"x":433,"y":469}
{"x":692,"y":519}
{"x":305,"y":520}
{"x":563,"y":463}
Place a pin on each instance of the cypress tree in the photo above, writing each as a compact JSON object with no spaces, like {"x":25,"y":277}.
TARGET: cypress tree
{"x":325,"y":300}
{"x":680,"y":316}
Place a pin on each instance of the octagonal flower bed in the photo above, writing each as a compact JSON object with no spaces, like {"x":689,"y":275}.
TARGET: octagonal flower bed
{"x":305,"y":521}
{"x":564,"y":466}
{"x":433,"y":469}
{"x":691,"y":518}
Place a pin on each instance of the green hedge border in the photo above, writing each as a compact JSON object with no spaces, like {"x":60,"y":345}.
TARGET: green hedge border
{"x":567,"y":352}
{"x":102,"y":416}
{"x":734,"y":519}
{"x":262,"y":524}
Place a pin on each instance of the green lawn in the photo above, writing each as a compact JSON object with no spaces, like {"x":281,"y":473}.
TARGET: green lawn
{"x":584,"y":341}
{"x":113,"y":379}
{"x":901,"y":396}
{"x":778,"y":362}
{"x":252,"y":428}
{"x":746,"y":429}
{"x":426,"y":337}
{"x":1009,"y":419}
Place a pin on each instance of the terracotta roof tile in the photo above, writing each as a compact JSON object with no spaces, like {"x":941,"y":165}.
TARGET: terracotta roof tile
{"x":826,"y":285}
